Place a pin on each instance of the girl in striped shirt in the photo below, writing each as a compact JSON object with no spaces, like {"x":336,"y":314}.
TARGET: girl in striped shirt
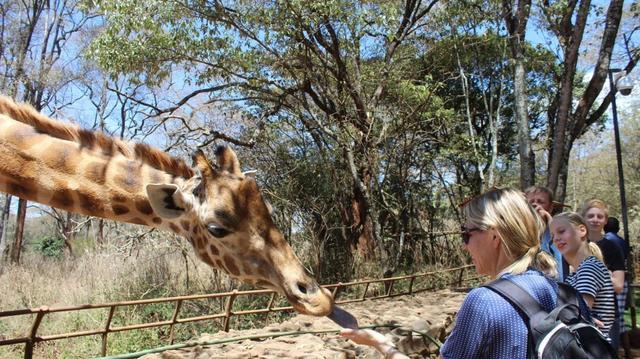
{"x":589,"y":275}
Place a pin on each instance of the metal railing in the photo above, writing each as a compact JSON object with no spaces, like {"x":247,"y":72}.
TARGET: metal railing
{"x":32,"y":337}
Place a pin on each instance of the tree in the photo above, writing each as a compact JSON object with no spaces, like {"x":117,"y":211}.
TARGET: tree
{"x":329,"y":64}
{"x":35,"y":35}
{"x":516,"y":17}
{"x":568,"y":122}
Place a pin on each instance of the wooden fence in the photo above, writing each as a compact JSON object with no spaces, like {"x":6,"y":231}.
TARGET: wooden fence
{"x":351,"y":292}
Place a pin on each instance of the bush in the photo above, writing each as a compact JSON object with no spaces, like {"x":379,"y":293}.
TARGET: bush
{"x":50,"y":246}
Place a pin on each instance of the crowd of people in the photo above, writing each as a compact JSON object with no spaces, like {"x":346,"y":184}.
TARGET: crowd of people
{"x":519,"y":236}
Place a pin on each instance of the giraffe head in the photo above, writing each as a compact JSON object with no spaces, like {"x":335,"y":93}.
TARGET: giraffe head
{"x":222,"y":213}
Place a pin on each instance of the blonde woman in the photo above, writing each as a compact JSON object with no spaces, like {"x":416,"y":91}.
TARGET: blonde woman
{"x":501,"y":233}
{"x":596,"y":213}
{"x":590,"y":276}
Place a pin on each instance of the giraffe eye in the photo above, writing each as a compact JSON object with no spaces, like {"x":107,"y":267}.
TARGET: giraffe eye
{"x":216,"y":231}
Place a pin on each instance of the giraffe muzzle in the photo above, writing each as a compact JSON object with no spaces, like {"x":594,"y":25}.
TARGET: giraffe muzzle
{"x":309,"y":298}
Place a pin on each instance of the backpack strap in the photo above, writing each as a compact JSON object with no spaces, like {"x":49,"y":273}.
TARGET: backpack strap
{"x":522,"y":302}
{"x":516,"y":296}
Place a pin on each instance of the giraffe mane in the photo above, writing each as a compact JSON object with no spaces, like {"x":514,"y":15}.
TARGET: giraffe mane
{"x":95,"y":140}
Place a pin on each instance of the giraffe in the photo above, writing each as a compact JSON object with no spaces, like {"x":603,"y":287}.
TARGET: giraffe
{"x":217,"y":208}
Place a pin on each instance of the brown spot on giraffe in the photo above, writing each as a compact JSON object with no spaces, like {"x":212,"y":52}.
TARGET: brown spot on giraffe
{"x":185,"y":225}
{"x":62,"y":198}
{"x":157,"y":220}
{"x":118,"y":198}
{"x":174,"y":227}
{"x":214,"y":250}
{"x":144,"y":207}
{"x":62,"y":157}
{"x":230,"y":263}
{"x":19,"y":189}
{"x":119,"y":209}
{"x":205,"y":258}
{"x":97,"y":172}
{"x":219,"y":264}
{"x":90,"y":203}
{"x":137,"y":220}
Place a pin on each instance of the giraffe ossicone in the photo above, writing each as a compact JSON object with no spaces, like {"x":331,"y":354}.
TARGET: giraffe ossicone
{"x":219,"y":209}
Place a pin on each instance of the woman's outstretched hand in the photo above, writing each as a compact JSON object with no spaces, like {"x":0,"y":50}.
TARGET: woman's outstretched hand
{"x":366,"y":337}
{"x":373,"y":339}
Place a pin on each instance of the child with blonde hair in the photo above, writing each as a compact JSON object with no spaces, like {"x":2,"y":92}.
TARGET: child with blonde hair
{"x":590,"y":277}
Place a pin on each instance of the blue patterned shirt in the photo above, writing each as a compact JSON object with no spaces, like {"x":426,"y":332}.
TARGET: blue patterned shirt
{"x":487,"y":326}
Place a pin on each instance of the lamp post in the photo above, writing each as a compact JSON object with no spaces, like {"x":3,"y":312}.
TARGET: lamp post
{"x":620,"y":84}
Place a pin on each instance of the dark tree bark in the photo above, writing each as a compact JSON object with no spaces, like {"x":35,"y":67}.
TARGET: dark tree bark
{"x":16,"y":248}
{"x":569,"y":121}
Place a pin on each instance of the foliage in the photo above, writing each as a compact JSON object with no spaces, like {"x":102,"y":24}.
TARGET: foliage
{"x":50,"y":246}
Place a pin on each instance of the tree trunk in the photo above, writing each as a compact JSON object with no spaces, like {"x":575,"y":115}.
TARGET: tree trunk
{"x":570,"y":124}
{"x":516,"y":23}
{"x":525,"y":152}
{"x":4,"y":223}
{"x":17,"y":242}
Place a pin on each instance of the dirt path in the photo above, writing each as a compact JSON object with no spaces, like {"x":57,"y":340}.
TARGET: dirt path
{"x":431,"y":312}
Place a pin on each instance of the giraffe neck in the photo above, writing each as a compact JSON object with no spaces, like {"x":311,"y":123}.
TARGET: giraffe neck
{"x":79,"y":171}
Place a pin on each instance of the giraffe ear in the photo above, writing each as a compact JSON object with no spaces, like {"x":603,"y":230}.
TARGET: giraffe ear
{"x":166,"y":200}
{"x":201,"y":162}
{"x":228,"y":161}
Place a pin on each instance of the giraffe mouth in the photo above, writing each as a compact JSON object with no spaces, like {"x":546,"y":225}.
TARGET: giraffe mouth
{"x":309,"y":299}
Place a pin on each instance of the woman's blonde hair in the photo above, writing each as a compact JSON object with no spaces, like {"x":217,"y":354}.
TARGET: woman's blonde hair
{"x":507,"y":211}
{"x":595,"y":203}
{"x":577,"y":220}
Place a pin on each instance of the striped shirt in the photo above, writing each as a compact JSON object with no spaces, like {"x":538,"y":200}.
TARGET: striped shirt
{"x":592,"y":277}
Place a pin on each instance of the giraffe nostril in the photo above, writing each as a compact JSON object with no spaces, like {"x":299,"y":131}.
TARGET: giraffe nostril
{"x":302,"y":288}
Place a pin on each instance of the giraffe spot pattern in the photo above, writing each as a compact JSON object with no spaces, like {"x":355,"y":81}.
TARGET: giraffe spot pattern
{"x":119,"y":209}
{"x":174,"y":228}
{"x":205,"y":258}
{"x":185,"y":225}
{"x":118,"y":198}
{"x":144,"y":207}
{"x":214,"y":250}
{"x":231,"y":266}
{"x":90,"y":204}
{"x":157,"y":220}
{"x":96,"y":172}
{"x":19,"y":190}
{"x":137,"y":220}
{"x":62,"y":197}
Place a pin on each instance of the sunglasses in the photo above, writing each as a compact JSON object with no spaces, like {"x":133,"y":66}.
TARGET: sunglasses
{"x":466,"y":233}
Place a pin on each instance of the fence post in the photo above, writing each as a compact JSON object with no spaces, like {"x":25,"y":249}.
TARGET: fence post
{"x":271,"y":300}
{"x":28,"y":350}
{"x":107,"y":328}
{"x":390,"y":288}
{"x":364,"y":294}
{"x":227,"y":311}
{"x":413,"y":277}
{"x":336,"y":290}
{"x":174,"y":320}
{"x":462,"y":269}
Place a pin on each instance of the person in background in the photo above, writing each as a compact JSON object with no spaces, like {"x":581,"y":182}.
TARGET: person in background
{"x":590,"y":277}
{"x":502,"y":234}
{"x":541,"y":198}
{"x":596,"y":213}
{"x":611,"y":229}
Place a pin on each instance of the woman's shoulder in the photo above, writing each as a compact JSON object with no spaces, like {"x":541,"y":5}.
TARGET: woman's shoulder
{"x":592,"y":263}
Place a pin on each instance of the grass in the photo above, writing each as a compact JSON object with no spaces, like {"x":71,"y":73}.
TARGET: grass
{"x":158,"y":266}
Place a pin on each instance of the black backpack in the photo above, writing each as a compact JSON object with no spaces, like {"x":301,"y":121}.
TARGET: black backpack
{"x":562,"y":333}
